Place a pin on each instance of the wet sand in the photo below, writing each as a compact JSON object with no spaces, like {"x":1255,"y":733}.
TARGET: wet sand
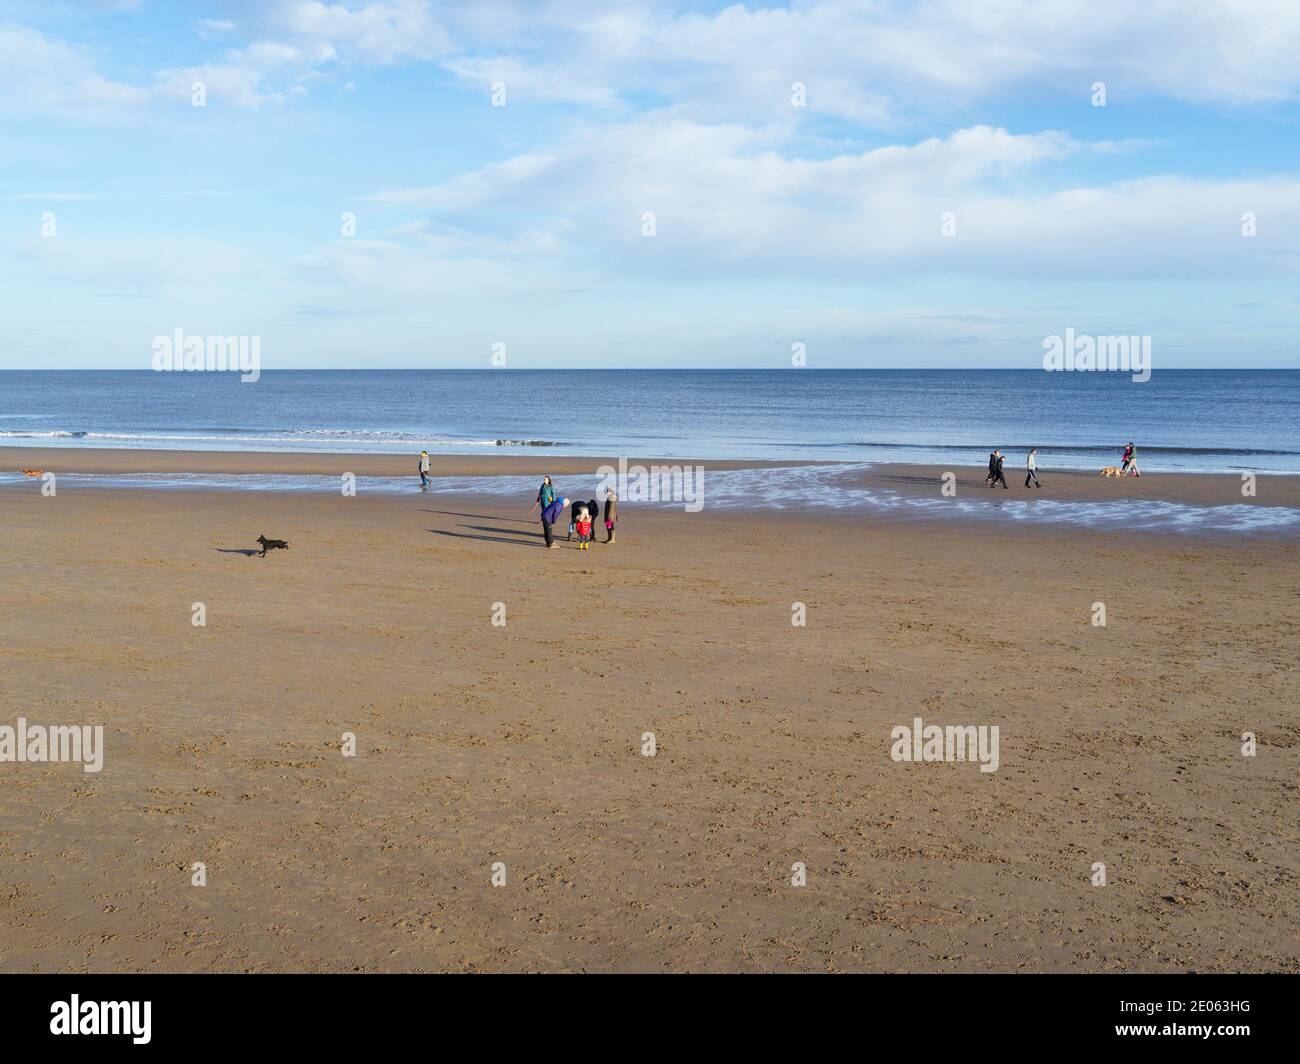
{"x":1066,"y":485}
{"x":522,"y":743}
{"x":319,"y":463}
{"x":1073,"y":485}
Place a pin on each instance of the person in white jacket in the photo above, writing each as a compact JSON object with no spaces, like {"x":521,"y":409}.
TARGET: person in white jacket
{"x":1031,"y":468}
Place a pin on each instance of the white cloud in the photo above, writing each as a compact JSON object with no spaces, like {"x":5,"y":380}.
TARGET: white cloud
{"x":237,"y":84}
{"x":876,"y":64}
{"x":871,"y":62}
{"x":382,"y":33}
{"x":413,"y":270}
{"x":39,"y":73}
{"x":723,"y":198}
{"x":214,"y":27}
{"x":529,"y":81}
{"x":474,"y":188}
{"x":141,"y":261}
{"x":304,"y":38}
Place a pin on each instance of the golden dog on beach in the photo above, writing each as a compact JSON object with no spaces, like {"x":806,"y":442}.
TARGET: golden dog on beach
{"x":33,"y":472}
{"x":1112,"y":471}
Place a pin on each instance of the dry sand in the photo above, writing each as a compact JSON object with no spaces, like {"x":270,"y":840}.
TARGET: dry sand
{"x":522,"y":744}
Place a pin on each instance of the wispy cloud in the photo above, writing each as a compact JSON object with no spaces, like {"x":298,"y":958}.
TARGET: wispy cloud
{"x":50,"y":197}
{"x":40,"y":74}
{"x":724,"y":197}
{"x":214,"y":27}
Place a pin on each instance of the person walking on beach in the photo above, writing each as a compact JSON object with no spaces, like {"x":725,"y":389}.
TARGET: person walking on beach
{"x":993,"y":468}
{"x":1031,"y":468}
{"x":611,"y":514}
{"x":996,"y":471}
{"x":1130,"y":456}
{"x":549,"y":516}
{"x":424,"y":470}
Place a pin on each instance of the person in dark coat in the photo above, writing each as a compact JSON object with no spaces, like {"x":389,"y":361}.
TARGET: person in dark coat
{"x":998,"y":477}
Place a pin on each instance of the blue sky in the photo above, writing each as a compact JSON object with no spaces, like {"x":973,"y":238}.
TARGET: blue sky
{"x":126,"y":212}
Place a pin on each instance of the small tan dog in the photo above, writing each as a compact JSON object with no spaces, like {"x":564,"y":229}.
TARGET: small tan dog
{"x":1112,"y":471}
{"x":33,"y":472}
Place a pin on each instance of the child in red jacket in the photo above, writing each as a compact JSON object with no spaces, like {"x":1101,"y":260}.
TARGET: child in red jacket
{"x":583,"y":524}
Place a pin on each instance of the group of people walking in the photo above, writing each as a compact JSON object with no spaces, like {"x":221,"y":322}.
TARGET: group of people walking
{"x":582,"y":515}
{"x":996,"y":459}
{"x":996,"y":476}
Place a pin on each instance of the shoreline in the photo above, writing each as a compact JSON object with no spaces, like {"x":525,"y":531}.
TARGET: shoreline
{"x":900,"y":475}
{"x":898,"y":479}
{"x":117,"y":460}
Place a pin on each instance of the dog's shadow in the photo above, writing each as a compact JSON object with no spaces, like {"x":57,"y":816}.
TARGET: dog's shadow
{"x":253,"y":553}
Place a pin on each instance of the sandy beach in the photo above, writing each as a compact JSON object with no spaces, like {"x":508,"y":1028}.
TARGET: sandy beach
{"x":523,"y":743}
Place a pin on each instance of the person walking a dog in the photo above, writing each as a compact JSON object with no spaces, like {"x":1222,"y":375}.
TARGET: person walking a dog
{"x":1031,"y":468}
{"x":1130,"y":454}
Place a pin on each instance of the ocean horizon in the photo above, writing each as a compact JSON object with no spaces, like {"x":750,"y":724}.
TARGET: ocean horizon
{"x":1191,"y":420}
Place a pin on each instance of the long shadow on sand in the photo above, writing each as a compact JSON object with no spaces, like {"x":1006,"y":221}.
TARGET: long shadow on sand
{"x":245,"y":553}
{"x":489,"y":539}
{"x":483,"y":517}
{"x":506,"y":531}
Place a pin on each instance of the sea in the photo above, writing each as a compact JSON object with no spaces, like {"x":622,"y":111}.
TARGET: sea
{"x":1181,"y":421}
